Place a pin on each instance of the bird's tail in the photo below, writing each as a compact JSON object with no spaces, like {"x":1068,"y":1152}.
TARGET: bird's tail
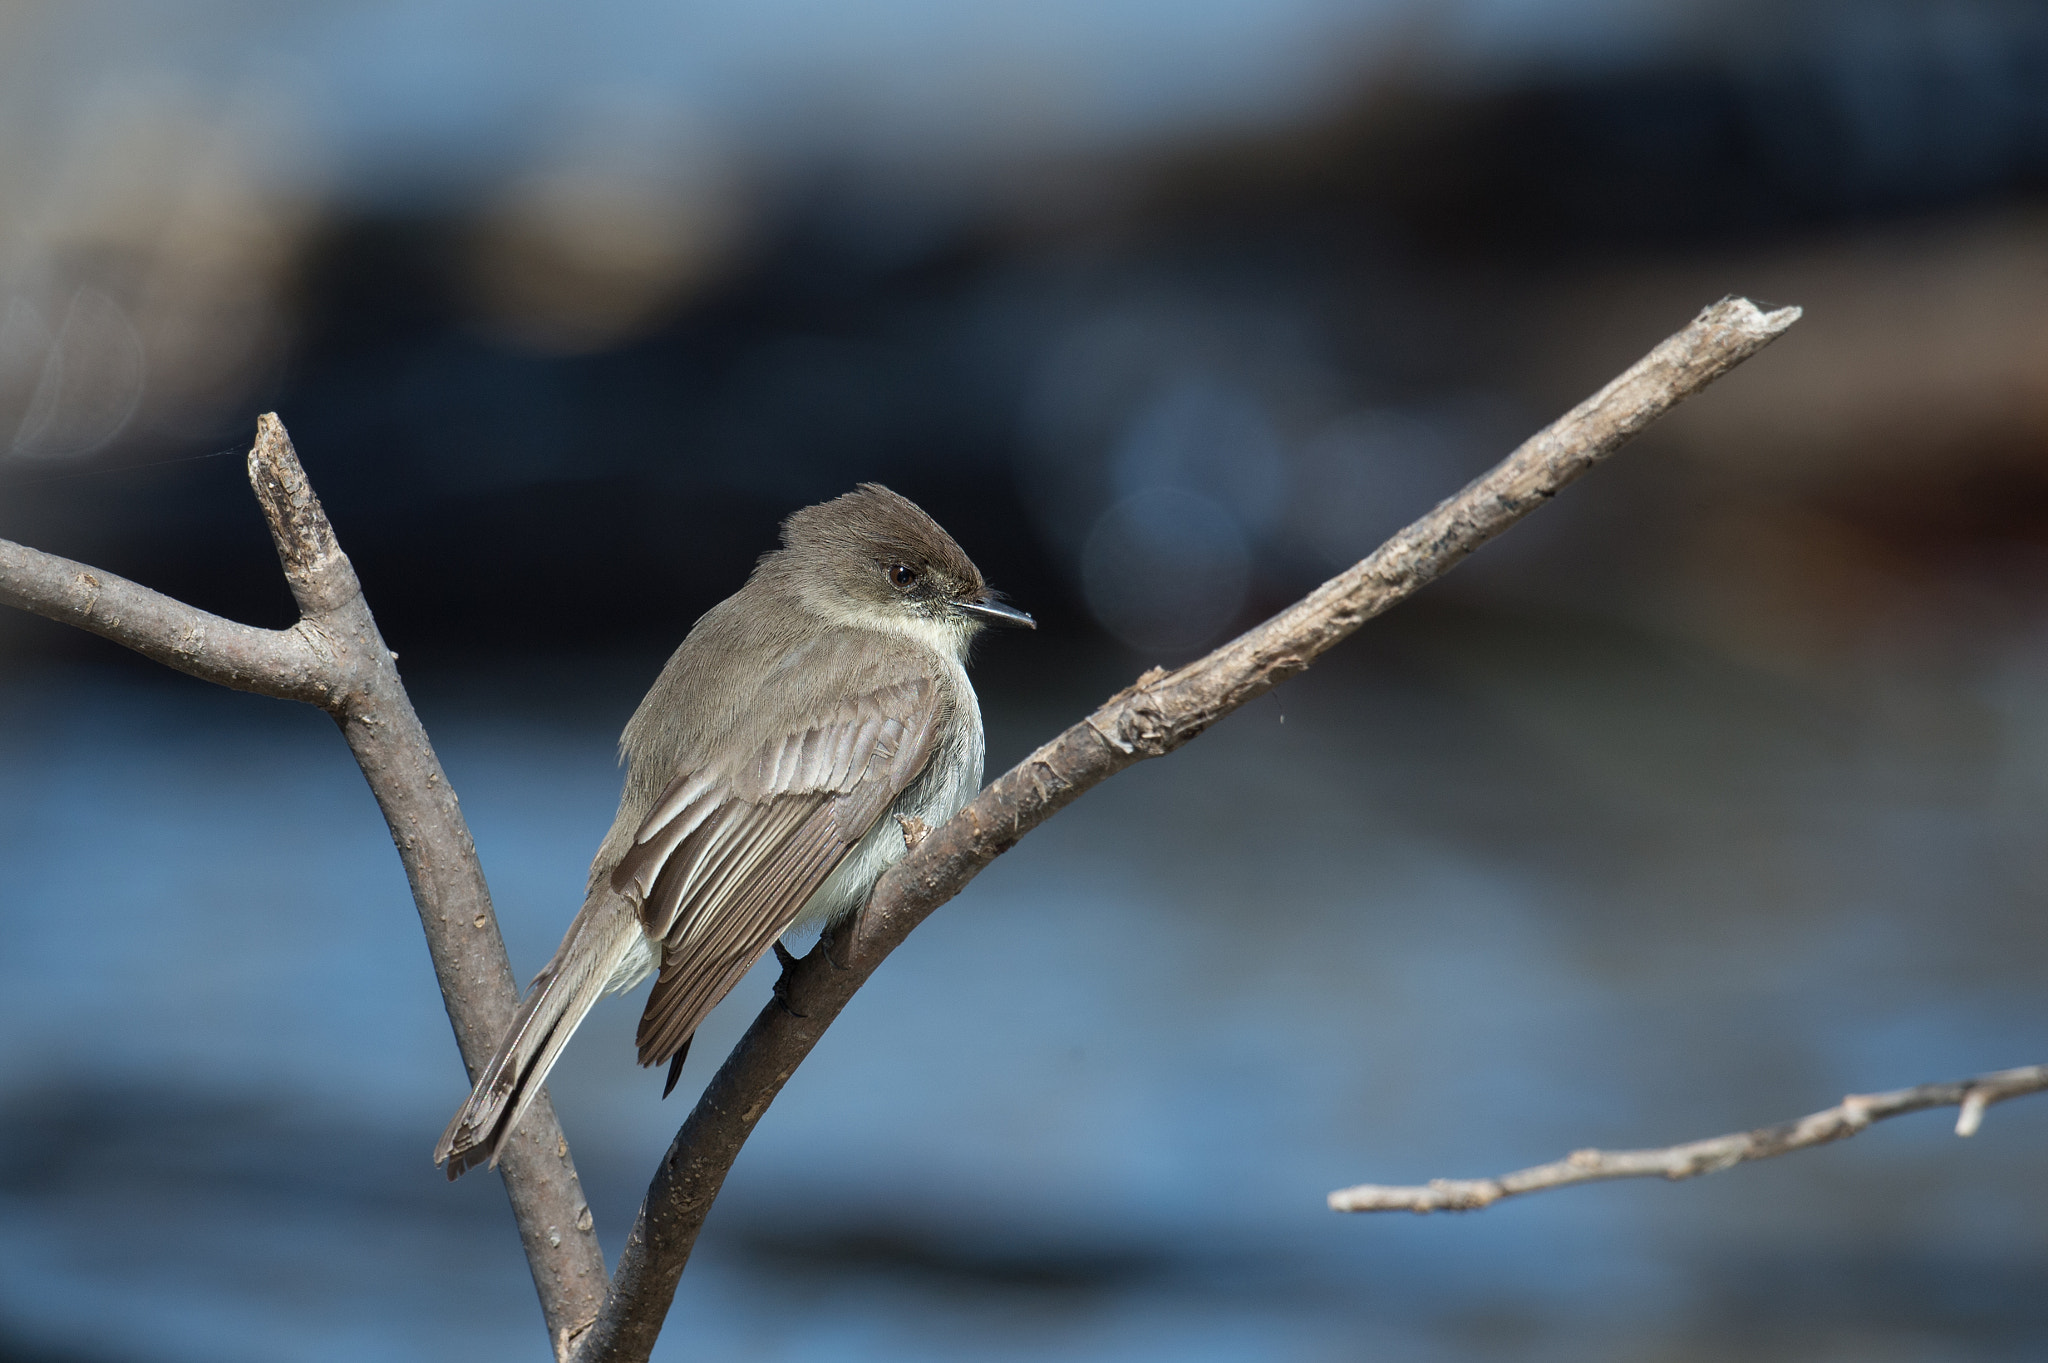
{"x":561,"y":996}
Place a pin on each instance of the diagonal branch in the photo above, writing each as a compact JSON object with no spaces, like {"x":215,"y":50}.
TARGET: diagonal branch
{"x":335,"y":658}
{"x":1159,"y":713}
{"x":1674,"y":1162}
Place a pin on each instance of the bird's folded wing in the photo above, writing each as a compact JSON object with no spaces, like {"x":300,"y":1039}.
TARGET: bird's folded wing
{"x":727,"y":858}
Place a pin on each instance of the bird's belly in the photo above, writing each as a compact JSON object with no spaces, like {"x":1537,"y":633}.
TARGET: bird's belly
{"x":847,"y":887}
{"x":936,"y":796}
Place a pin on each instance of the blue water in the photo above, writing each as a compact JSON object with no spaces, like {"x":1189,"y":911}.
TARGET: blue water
{"x":1457,"y":903}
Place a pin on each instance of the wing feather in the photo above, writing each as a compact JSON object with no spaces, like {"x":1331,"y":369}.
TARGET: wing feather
{"x":657,"y":842}
{"x":726,"y":859}
{"x":746,"y":843}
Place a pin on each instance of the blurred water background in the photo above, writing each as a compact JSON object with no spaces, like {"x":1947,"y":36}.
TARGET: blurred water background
{"x":1708,"y":795}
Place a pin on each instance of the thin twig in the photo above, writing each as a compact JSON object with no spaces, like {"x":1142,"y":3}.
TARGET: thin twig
{"x":335,"y":658}
{"x":1674,"y":1162}
{"x":1159,"y":713}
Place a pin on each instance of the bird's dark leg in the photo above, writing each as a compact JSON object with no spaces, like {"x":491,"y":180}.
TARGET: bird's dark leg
{"x":675,"y":1065}
{"x":782,"y":981}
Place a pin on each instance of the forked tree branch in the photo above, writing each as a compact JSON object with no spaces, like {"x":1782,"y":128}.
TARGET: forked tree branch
{"x":1674,"y":1162}
{"x":335,"y":658}
{"x":1159,"y":713}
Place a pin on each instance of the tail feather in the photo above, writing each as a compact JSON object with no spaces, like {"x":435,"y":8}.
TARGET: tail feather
{"x":561,"y":996}
{"x":675,"y":1065}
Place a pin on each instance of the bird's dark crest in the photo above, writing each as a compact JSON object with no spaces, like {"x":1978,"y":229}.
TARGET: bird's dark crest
{"x":880,"y":526}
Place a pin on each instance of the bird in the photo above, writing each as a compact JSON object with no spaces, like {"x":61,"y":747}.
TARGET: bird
{"x":804,"y":728}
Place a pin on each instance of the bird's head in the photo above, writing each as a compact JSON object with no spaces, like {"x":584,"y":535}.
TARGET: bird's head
{"x":873,"y":558}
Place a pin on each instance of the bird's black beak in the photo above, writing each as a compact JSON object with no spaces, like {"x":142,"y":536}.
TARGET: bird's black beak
{"x":996,"y":612}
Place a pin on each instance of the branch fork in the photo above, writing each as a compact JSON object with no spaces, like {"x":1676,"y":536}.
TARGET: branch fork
{"x":334,"y":658}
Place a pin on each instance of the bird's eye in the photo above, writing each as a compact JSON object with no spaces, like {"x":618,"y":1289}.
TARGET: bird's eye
{"x":902,"y":574}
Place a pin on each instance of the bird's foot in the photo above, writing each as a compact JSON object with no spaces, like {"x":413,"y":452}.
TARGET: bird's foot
{"x":782,"y":981}
{"x":914,"y":830}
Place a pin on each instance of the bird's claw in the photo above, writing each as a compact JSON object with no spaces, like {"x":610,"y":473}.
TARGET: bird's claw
{"x":782,"y":981}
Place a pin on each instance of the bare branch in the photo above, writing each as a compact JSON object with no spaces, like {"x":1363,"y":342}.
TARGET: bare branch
{"x":335,"y":658}
{"x":322,"y":579}
{"x":1159,"y":713}
{"x":1674,"y":1162}
{"x":272,"y":662}
{"x":433,"y":841}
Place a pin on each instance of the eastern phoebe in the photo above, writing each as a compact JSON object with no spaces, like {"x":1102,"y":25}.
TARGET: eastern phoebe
{"x":770,"y":776}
